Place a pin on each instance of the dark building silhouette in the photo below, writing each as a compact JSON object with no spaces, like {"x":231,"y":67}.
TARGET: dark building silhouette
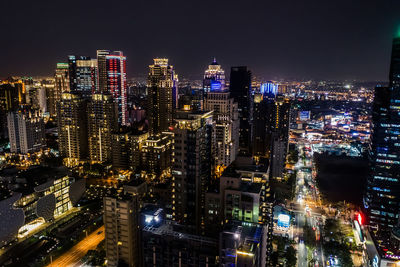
{"x":240,"y":86}
{"x":191,"y":167}
{"x":261,"y":125}
{"x":270,"y":130}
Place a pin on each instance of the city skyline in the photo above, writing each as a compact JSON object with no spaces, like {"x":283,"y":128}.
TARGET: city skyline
{"x":282,"y":149}
{"x":310,"y":40}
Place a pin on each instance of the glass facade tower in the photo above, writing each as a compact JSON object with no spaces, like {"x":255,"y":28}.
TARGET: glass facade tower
{"x":382,"y":196}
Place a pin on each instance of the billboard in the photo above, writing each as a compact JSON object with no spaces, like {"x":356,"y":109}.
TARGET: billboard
{"x":304,"y":115}
{"x":283,"y":220}
{"x":216,"y":86}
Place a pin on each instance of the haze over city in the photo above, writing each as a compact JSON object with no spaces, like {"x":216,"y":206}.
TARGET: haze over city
{"x":277,"y":39}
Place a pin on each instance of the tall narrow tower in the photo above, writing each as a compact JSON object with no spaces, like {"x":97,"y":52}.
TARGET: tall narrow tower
{"x":112,"y":80}
{"x":102,"y":121}
{"x":192,"y":167}
{"x":240,"y":88}
{"x":161,"y":82}
{"x":72,"y":128}
{"x":62,"y":85}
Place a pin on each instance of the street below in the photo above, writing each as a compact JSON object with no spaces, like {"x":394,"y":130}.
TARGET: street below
{"x":72,"y":258}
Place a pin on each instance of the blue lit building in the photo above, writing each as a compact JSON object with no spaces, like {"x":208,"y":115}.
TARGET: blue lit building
{"x":269,"y":88}
{"x":214,"y":78}
{"x":382,"y":195}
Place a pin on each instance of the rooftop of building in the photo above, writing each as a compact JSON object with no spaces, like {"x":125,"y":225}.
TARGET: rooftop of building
{"x":150,"y":209}
{"x":172,"y":230}
{"x":246,"y":231}
{"x":250,"y":187}
{"x":245,"y":167}
{"x":191,"y":114}
{"x":130,"y":130}
{"x":135,"y":181}
{"x":248,"y":164}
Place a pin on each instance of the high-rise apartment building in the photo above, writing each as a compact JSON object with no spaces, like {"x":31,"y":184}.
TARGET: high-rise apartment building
{"x":243,"y":194}
{"x":226,"y":131}
{"x":112,"y":79}
{"x":161,"y":100}
{"x":102,"y":121}
{"x":191,"y":167}
{"x":127,"y":149}
{"x":36,"y":98}
{"x":157,"y":157}
{"x":72,"y":128}
{"x":214,"y":78}
{"x":382,"y":196}
{"x":270,"y":128}
{"x":261,"y":125}
{"x":279,"y":135}
{"x":26,"y":130}
{"x":121,"y":230}
{"x":240,"y":88}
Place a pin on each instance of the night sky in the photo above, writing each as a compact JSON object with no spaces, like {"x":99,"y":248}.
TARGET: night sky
{"x":317,"y":39}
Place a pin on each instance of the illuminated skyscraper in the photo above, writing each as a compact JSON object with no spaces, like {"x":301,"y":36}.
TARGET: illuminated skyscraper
{"x":161,"y":101}
{"x":101,"y":123}
{"x":61,"y":85}
{"x":214,"y":78}
{"x":82,"y":75}
{"x":72,"y":128}
{"x":102,"y":69}
{"x":382,"y":197}
{"x":279,"y":135}
{"x":225,"y":116}
{"x":112,"y":79}
{"x":191,"y":167}
{"x":26,"y":130}
{"x":240,"y":87}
